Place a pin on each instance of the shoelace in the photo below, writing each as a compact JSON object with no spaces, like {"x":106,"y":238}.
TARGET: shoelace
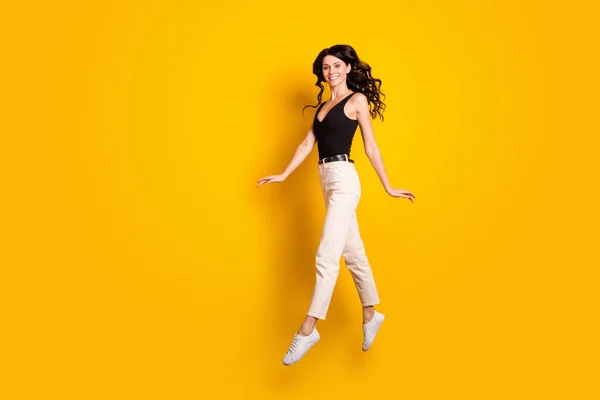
{"x":294,"y":344}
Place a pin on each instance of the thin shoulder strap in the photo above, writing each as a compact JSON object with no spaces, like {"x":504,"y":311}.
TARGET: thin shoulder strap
{"x":350,"y":95}
{"x":319,"y":109}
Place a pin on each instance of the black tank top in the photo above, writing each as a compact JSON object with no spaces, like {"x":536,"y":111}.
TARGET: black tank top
{"x":335,"y":133}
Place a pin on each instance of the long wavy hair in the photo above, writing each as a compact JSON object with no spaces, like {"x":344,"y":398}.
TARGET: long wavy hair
{"x":359,"y":79}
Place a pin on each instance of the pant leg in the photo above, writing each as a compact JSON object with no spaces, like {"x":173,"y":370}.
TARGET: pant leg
{"x":357,"y":262}
{"x":342,"y":192}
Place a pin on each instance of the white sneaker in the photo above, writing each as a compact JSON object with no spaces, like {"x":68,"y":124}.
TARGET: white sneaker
{"x":370,"y":329}
{"x":300,"y":345}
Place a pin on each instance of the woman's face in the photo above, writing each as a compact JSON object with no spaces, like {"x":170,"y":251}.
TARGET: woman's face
{"x":334,"y":70}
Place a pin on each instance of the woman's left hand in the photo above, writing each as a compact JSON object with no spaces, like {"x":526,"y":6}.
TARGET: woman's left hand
{"x":401,"y":193}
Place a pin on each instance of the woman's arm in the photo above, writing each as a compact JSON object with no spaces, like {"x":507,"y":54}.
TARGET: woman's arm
{"x":302,"y":151}
{"x":372,"y":150}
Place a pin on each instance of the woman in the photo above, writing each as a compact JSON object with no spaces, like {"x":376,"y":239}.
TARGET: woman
{"x":353,"y":92}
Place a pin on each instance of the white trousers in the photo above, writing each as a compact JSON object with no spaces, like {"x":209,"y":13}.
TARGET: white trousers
{"x":340,"y":236}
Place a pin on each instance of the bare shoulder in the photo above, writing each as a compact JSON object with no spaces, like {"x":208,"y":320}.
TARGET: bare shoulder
{"x":359,"y":99}
{"x":359,"y":105}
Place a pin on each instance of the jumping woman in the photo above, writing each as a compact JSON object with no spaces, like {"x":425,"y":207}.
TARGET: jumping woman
{"x":355,"y":99}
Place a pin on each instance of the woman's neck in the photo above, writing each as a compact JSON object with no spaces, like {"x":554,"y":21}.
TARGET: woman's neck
{"x":339,"y":91}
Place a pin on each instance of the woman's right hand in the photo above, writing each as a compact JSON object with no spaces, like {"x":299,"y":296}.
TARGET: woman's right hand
{"x":271,"y":179}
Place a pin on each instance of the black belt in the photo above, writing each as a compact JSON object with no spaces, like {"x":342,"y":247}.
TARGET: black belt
{"x":337,"y":157}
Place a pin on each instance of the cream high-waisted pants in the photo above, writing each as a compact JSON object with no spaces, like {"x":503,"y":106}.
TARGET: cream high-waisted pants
{"x":340,"y":236}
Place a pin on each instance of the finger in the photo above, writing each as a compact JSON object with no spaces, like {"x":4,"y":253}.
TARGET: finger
{"x":266,"y":179}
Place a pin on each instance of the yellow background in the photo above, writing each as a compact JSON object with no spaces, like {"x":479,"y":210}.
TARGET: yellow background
{"x":139,"y":260}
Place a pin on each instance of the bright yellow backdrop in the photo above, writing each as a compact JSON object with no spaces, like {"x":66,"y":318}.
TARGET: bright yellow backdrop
{"x":139,"y":261}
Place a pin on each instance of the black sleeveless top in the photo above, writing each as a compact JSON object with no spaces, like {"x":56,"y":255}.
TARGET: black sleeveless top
{"x":335,"y":133}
